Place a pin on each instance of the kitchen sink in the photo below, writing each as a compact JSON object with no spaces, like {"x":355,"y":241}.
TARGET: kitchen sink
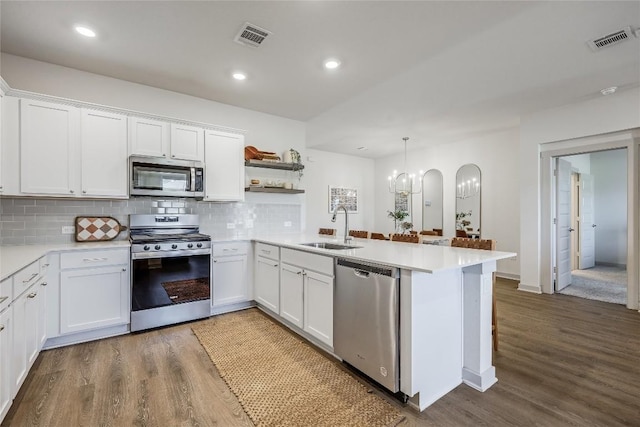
{"x":326,"y":245}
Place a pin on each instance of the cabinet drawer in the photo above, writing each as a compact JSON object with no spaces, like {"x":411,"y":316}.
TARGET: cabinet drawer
{"x":268,"y":251}
{"x":83,"y":259}
{"x":232,"y":248}
{"x":25,"y":278}
{"x":321,"y":264}
{"x":6,"y":293}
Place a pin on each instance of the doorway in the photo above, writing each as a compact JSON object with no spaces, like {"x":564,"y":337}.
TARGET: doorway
{"x":591,"y":225}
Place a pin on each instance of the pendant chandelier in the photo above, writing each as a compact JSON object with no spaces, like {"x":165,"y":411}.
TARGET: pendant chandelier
{"x":404,"y":182}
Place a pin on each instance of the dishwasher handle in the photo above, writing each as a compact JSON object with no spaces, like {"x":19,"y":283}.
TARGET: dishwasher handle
{"x":361,"y":273}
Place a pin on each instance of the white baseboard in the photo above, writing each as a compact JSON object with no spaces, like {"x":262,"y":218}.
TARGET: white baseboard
{"x":80,"y":337}
{"x":535,"y":289}
{"x":508,"y":276}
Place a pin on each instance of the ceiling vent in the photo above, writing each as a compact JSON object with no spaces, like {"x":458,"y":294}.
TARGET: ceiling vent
{"x":251,"y":35}
{"x":610,"y":39}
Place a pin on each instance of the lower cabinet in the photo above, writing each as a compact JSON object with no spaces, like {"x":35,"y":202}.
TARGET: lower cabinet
{"x":6,"y":328}
{"x":292,"y":294}
{"x":267,"y":276}
{"x":229,"y":284}
{"x":318,"y":306}
{"x":26,"y":321}
{"x":94,"y":289}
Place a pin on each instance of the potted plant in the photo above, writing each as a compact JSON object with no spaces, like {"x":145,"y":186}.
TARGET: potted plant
{"x":397,"y":217}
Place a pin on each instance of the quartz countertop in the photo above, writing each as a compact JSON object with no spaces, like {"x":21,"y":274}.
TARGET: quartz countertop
{"x":411,"y":256}
{"x":15,"y":258}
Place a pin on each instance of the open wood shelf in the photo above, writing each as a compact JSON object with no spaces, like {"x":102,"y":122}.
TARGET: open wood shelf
{"x":272,"y":190}
{"x":273,"y":165}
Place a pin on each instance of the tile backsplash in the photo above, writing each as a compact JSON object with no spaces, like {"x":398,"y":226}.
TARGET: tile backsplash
{"x":30,"y":221}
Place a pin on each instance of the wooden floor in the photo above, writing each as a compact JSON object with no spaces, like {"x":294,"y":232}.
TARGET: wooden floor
{"x":562,"y":361}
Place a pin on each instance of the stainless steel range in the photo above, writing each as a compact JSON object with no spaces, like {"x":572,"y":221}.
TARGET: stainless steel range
{"x":171,"y":270}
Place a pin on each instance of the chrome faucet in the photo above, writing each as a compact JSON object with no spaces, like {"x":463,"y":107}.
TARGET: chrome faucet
{"x":346,"y":221}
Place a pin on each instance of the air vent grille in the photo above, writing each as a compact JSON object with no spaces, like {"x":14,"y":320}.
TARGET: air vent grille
{"x":611,"y":39}
{"x":251,"y":35}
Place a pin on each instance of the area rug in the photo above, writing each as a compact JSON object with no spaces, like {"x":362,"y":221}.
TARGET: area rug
{"x":187,"y":290}
{"x":281,"y":381}
{"x":600,"y":283}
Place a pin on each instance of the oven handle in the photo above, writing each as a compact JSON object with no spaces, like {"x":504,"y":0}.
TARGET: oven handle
{"x":170,"y":254}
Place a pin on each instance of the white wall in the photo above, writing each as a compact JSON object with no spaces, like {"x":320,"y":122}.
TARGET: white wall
{"x":324,"y":169}
{"x":495,"y":154}
{"x":609,"y":170}
{"x":264,"y":131}
{"x":597,"y":116}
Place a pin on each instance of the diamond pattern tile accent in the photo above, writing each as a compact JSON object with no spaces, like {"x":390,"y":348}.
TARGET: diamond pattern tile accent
{"x":91,"y":229}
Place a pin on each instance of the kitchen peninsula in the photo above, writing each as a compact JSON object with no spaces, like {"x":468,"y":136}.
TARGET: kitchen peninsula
{"x":445,"y":309}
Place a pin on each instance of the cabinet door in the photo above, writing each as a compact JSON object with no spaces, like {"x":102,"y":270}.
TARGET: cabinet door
{"x":48,"y":144}
{"x":318,"y":306}
{"x":291,"y":293}
{"x":187,"y":142}
{"x":229,"y":285}
{"x":94,"y":298}
{"x":25,"y":336}
{"x":41,"y":302}
{"x":267,"y":283}
{"x":148,"y":137}
{"x":104,"y":154}
{"x":224,"y":166}
{"x":1,"y":120}
{"x":6,"y":327}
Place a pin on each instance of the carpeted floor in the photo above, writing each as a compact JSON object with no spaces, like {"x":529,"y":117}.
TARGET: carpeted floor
{"x":601,"y":283}
{"x":281,"y":381}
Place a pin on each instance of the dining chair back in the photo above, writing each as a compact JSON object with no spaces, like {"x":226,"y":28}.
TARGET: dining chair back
{"x":327,"y":231}
{"x":377,"y":236}
{"x":407,"y":238}
{"x":428,"y":233}
{"x":359,"y":233}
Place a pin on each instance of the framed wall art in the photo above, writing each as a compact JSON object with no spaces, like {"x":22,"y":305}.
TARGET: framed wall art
{"x":343,"y":196}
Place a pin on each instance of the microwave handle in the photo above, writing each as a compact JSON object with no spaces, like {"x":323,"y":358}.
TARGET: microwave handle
{"x":193,"y":179}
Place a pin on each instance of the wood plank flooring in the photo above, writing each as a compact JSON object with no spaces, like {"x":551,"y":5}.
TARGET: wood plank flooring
{"x":562,"y":361}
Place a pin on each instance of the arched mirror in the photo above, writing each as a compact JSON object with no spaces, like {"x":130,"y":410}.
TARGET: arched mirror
{"x":468,"y":190}
{"x":432,"y":200}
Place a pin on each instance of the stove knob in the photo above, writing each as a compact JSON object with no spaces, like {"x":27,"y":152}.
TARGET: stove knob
{"x":157,"y":247}
{"x":190,"y":245}
{"x":146,"y":247}
{"x":199,"y":245}
{"x":174,"y":246}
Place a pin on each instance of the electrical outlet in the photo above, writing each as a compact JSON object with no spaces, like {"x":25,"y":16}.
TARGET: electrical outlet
{"x":248,"y":223}
{"x":287,"y":223}
{"x":68,"y":229}
{"x":231,"y":225}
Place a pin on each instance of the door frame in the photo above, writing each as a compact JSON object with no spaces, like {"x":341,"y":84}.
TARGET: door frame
{"x":548,"y":152}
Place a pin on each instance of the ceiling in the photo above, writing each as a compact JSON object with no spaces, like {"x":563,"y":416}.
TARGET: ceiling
{"x":435,"y":71}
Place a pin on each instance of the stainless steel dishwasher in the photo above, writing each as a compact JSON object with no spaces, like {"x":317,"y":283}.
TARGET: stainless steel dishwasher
{"x":366,"y":320}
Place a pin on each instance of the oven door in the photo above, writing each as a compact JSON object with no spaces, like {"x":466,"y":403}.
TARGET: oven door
{"x":169,"y":288}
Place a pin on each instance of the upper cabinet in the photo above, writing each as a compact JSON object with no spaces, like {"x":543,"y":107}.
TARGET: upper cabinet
{"x":156,"y":138}
{"x":48,"y":145}
{"x":104,"y":154}
{"x":67,"y":151}
{"x":224,"y":162}
{"x":1,"y":120}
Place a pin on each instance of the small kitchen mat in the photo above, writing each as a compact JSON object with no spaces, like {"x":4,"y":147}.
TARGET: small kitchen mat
{"x":281,"y":381}
{"x":187,"y":290}
{"x":97,"y":228}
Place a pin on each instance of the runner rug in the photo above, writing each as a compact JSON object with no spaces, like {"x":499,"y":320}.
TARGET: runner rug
{"x":281,"y":381}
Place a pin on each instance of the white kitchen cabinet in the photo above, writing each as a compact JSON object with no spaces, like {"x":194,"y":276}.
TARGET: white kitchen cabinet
{"x":94,"y":289}
{"x":6,"y":353}
{"x":224,"y":166}
{"x":48,"y":148}
{"x":25,"y":334}
{"x":148,"y":137}
{"x":291,"y":294}
{"x":187,"y":142}
{"x":306,"y":292}
{"x":104,"y":154}
{"x":229,"y":274}
{"x":267,"y":276}
{"x":1,"y":125}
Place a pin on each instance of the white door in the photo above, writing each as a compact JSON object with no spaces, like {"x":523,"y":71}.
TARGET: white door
{"x":267,"y":283}
{"x":148,"y":137}
{"x":229,"y":280}
{"x":587,"y":223}
{"x":48,"y":144}
{"x":104,"y":154}
{"x":224,"y":166}
{"x":6,"y":329}
{"x":187,"y":142}
{"x":563,"y":224}
{"x":318,"y":306}
{"x":291,"y":294}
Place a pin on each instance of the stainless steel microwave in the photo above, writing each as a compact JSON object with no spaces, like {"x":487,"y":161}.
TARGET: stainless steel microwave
{"x":152,"y":176}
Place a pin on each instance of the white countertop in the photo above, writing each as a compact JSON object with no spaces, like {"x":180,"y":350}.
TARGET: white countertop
{"x":15,"y":258}
{"x":411,"y":256}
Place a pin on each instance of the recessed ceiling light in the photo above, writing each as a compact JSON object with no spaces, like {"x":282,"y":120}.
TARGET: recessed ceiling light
{"x":239,"y":76}
{"x":331,"y":64}
{"x":609,"y":90}
{"x":87,"y":32}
